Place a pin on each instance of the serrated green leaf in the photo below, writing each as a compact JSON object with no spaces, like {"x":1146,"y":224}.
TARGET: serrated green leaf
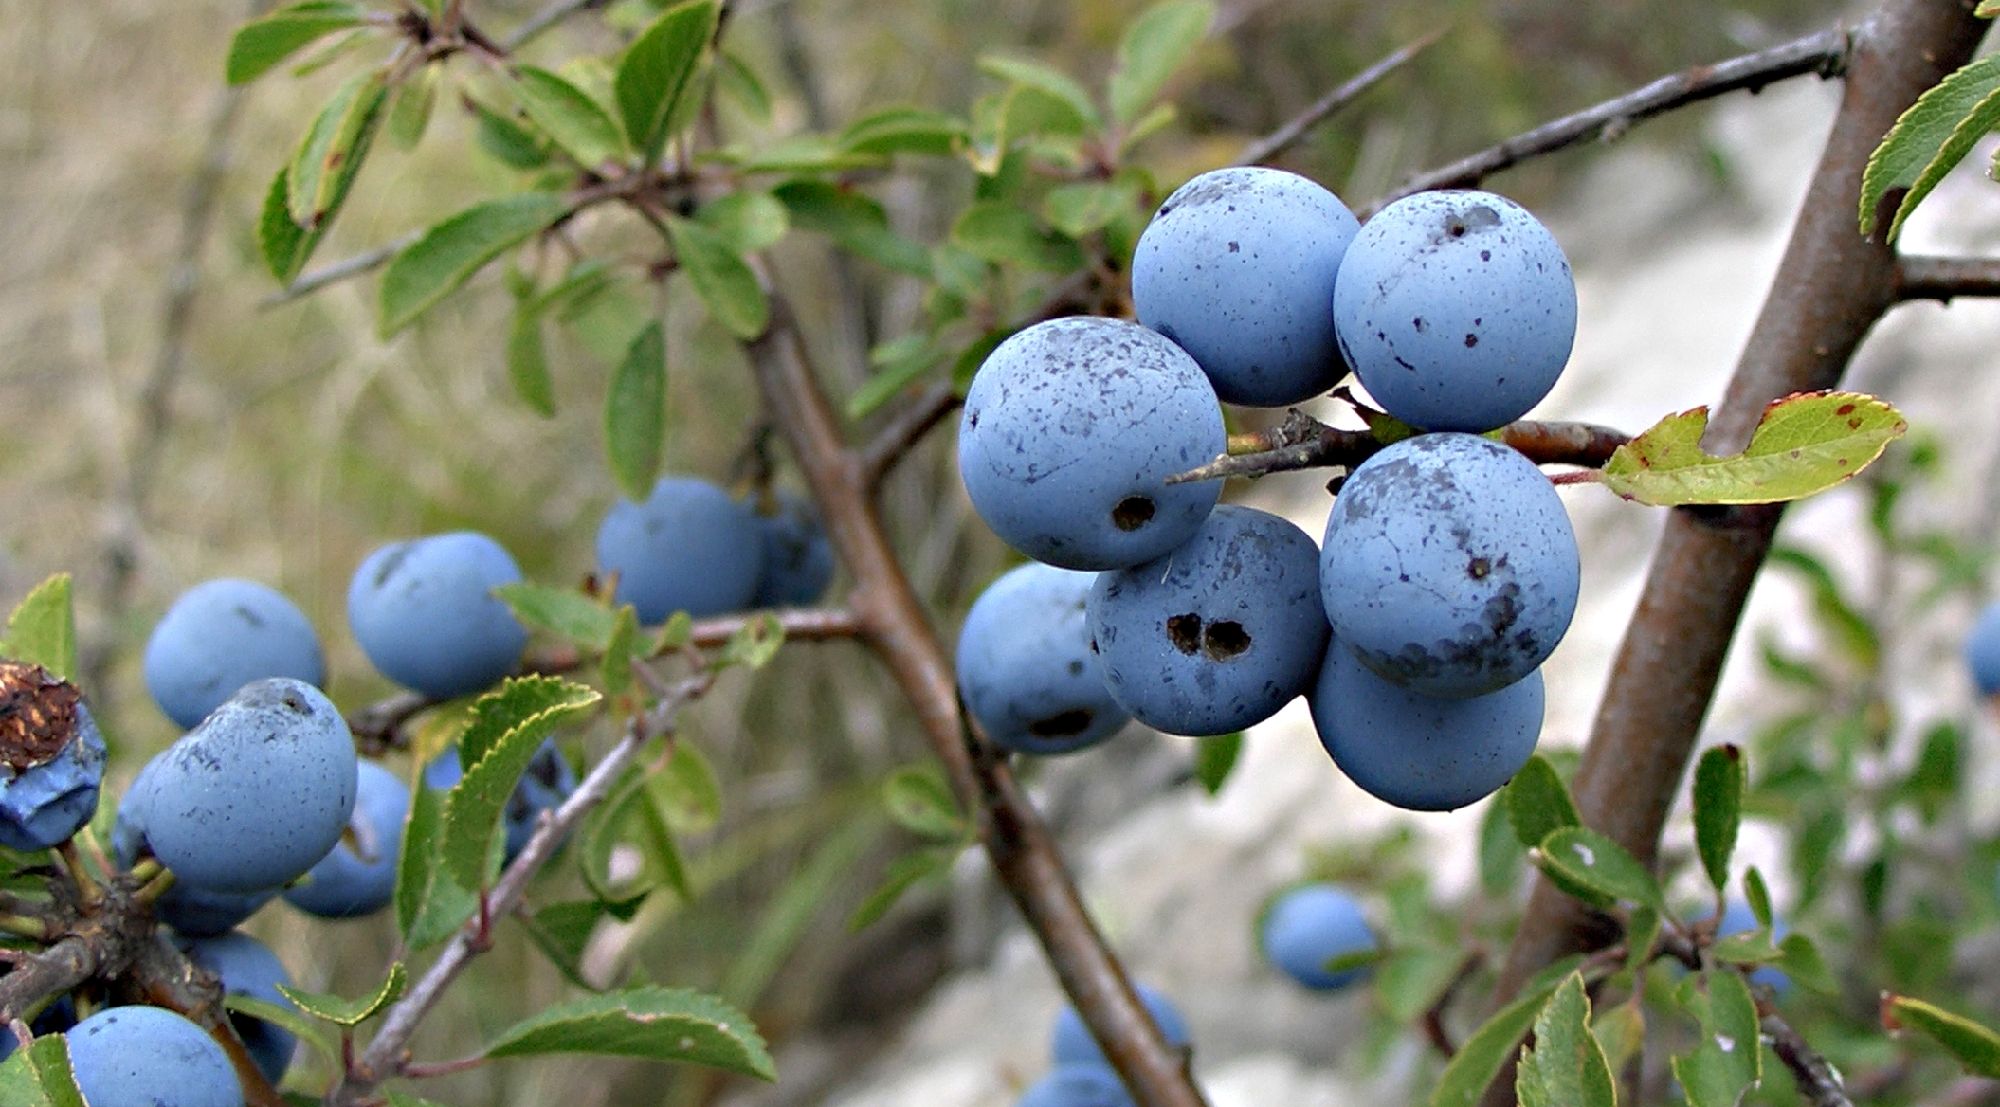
{"x":351,"y":1012}
{"x":1729,"y":1060}
{"x":290,"y":1018}
{"x":919,"y":801}
{"x":1479,"y":1059}
{"x":410,"y":108}
{"x":1003,"y":234}
{"x":1976,"y":1047}
{"x":42,"y":629}
{"x":1409,"y":982}
{"x":755,"y":643}
{"x":39,"y":1075}
{"x":1046,"y":80}
{"x":635,"y":414}
{"x":747,"y":220}
{"x":904,"y":873}
{"x":854,"y":221}
{"x":448,"y":254}
{"x":569,"y":116}
{"x":1154,"y":46}
{"x":508,"y":726}
{"x":258,"y":46}
{"x":564,"y":612}
{"x":1078,"y":209}
{"x":1566,"y":1067}
{"x":1214,"y":758}
{"x":903,"y":130}
{"x":687,"y":789}
{"x":898,"y":363}
{"x":628,"y":815}
{"x":1718,"y":810}
{"x":528,"y":361}
{"x":1930,"y":138}
{"x":726,"y":285}
{"x":647,"y":1024}
{"x":1584,"y":857}
{"x":1806,"y":443}
{"x":333,"y":147}
{"x":1538,"y":802}
{"x":430,"y":905}
{"x":656,"y":70}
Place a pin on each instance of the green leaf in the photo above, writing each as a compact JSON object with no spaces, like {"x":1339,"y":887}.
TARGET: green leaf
{"x":1729,"y":1061}
{"x":903,"y":130}
{"x":261,"y":44}
{"x":904,"y":873}
{"x":898,"y":363}
{"x":721,"y":278}
{"x":755,"y":643}
{"x":332,"y":149}
{"x":1479,"y":1059}
{"x":1581,"y":856}
{"x":1806,"y":443}
{"x":740,"y":85}
{"x":1154,"y":46}
{"x":570,"y":117}
{"x":688,"y":791}
{"x":1757,"y":896}
{"x":1409,"y":982}
{"x":1718,"y":810}
{"x":500,"y":135}
{"x":1621,"y":1033}
{"x":1799,"y":959}
{"x":1976,"y":1047}
{"x":1566,"y":1067}
{"x":1050,"y":82}
{"x":39,"y":1075}
{"x":1933,"y":783}
{"x":748,"y":220}
{"x":429,"y":903}
{"x":854,"y":221}
{"x":564,"y":612}
{"x":647,"y":1024}
{"x":448,"y":254}
{"x":635,"y":414}
{"x":351,"y":1012}
{"x":623,"y":646}
{"x":1214,"y":757}
{"x":563,"y":931}
{"x":1003,"y":234}
{"x":1930,"y":138}
{"x":1078,"y":209}
{"x":1642,"y":932}
{"x":528,"y":360}
{"x":507,"y":727}
{"x":629,"y":815}
{"x":656,"y":71}
{"x":42,"y":629}
{"x":301,"y":1025}
{"x":1538,"y":802}
{"x":918,"y":799}
{"x":410,"y":108}
{"x":1500,"y":851}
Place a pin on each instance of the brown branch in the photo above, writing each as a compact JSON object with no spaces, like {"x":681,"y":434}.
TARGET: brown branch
{"x":1024,"y":856}
{"x":1819,"y":1083}
{"x":1823,"y":53}
{"x":1302,"y":442}
{"x":1289,"y":133}
{"x":1928,"y":278}
{"x":907,"y":428}
{"x":1830,"y":288}
{"x":162,"y":976}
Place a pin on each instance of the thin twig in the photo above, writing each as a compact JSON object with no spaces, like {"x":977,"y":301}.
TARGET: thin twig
{"x":907,"y":428}
{"x":1929,"y":278}
{"x":1823,"y":53}
{"x":1289,"y":133}
{"x":543,"y":20}
{"x":387,"y":1053}
{"x":1819,"y":1083}
{"x":333,"y":273}
{"x":1302,"y":442}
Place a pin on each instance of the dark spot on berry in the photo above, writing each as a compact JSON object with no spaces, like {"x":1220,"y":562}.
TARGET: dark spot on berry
{"x":1471,"y":340}
{"x":1132,"y":513}
{"x":1225,"y":640}
{"x":1063,"y":725}
{"x":1184,"y":631}
{"x":1478,"y":568}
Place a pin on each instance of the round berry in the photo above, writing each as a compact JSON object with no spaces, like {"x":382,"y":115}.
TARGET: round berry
{"x":1309,"y":927}
{"x":1982,"y":651}
{"x":1025,"y":666}
{"x":219,"y":636}
{"x":689,"y":547}
{"x":359,"y":876}
{"x":140,"y":1056}
{"x":247,"y":967}
{"x":425,"y":614}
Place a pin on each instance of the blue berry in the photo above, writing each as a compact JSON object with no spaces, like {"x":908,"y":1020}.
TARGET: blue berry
{"x":247,"y":967}
{"x":798,"y":557}
{"x":145,"y":1056}
{"x":53,"y":793}
{"x":1456,"y":309}
{"x":1077,"y":1086}
{"x":359,"y":876}
{"x":1238,"y":268}
{"x":425,"y":614}
{"x":1418,"y":752}
{"x":191,"y":911}
{"x":255,"y":795}
{"x":1070,"y":430}
{"x":1025,"y":666}
{"x":1217,"y":634}
{"x":1308,"y":927}
{"x":219,"y":636}
{"x":1449,"y":565}
{"x":1073,"y":1045}
{"x":1982,"y":651}
{"x":689,"y":547}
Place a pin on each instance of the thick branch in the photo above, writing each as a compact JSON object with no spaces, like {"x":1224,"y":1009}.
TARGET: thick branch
{"x":1024,"y":855}
{"x":1289,"y":133}
{"x":1926,"y":278}
{"x":1302,"y":442}
{"x":1830,"y":288}
{"x":1823,"y":53}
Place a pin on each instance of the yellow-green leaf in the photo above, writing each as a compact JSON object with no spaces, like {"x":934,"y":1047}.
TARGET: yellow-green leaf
{"x":261,"y":44}
{"x":508,"y":727}
{"x":332,"y":148}
{"x":635,"y":413}
{"x":1566,"y":1067}
{"x":42,"y":629}
{"x":351,"y":1012}
{"x":648,"y":1024}
{"x":1806,"y":443}
{"x":1930,"y":138}
{"x":39,"y":1076}
{"x":569,"y":116}
{"x":1976,"y":1046}
{"x":1156,"y":44}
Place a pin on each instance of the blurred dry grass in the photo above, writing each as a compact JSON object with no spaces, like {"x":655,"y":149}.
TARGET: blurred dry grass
{"x":295,"y":441}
